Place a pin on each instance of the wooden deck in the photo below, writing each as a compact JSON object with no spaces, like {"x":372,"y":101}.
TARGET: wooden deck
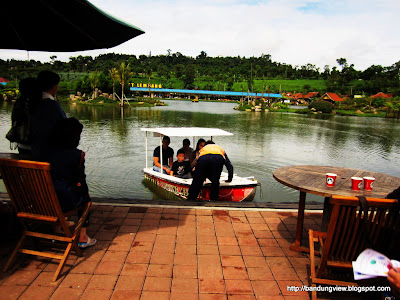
{"x":146,"y":252}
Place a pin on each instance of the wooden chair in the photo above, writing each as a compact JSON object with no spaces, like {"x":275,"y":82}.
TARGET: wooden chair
{"x":35,"y":201}
{"x":350,"y":231}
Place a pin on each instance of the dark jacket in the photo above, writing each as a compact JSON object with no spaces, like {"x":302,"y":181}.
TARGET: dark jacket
{"x":69,"y":178}
{"x":43,"y":119}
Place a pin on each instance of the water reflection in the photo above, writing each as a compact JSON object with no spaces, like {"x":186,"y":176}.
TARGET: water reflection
{"x":261,"y":143}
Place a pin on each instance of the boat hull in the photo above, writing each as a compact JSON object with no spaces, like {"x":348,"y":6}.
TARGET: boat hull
{"x":236,"y":192}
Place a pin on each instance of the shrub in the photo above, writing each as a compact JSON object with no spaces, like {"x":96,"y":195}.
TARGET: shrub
{"x":303,"y":111}
{"x":323,"y":106}
{"x":280,"y":105}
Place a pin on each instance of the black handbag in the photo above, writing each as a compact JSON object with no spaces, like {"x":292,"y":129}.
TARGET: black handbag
{"x":20,"y":131}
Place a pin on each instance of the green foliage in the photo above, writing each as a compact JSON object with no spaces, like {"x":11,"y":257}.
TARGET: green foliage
{"x":102,"y":100}
{"x":356,"y":114}
{"x":175,"y":70}
{"x":320,"y":105}
{"x":304,"y":111}
{"x":244,"y":107}
{"x":280,"y":105}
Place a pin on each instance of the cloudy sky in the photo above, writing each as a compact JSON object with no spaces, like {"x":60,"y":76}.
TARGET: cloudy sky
{"x":297,"y":32}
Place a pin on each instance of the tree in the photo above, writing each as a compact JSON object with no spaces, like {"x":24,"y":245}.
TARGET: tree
{"x":202,"y":55}
{"x":149,"y":72}
{"x":188,"y":79}
{"x":124,"y":73}
{"x":179,"y":70}
{"x":93,"y":80}
{"x":342,"y":62}
{"x":113,"y":72}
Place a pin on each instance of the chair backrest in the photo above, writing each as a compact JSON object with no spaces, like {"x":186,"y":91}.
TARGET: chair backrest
{"x":350,"y":231}
{"x":31,"y":188}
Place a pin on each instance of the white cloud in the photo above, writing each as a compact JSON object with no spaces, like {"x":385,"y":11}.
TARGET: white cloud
{"x":295,"y":32}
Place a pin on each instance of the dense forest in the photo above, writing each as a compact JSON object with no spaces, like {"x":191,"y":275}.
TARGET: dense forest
{"x":175,"y":70}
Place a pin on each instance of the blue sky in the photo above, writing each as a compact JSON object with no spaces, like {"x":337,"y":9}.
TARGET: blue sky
{"x":296,"y":32}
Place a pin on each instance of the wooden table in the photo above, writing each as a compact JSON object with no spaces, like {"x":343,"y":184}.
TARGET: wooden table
{"x":311,"y":179}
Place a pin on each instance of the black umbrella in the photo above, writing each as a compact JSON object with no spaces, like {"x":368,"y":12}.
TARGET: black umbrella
{"x":60,"y":26}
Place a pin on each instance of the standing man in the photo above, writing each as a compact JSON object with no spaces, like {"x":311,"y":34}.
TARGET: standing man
{"x":212,"y":159}
{"x":46,"y":114}
{"x":167,"y":157}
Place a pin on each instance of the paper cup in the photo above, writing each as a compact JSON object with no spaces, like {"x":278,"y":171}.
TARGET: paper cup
{"x":368,"y":183}
{"x":356,"y":183}
{"x":330,"y":179}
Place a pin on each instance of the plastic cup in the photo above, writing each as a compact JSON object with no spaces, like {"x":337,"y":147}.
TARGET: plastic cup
{"x":368,"y":183}
{"x":356,"y":183}
{"x":330,"y":179}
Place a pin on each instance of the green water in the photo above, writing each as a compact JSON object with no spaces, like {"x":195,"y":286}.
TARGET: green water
{"x":262,"y":142}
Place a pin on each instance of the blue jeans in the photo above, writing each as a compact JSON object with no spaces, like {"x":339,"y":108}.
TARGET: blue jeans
{"x":208,"y":166}
{"x":158,"y":169}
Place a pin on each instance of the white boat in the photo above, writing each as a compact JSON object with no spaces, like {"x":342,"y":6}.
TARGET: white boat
{"x":239,"y":189}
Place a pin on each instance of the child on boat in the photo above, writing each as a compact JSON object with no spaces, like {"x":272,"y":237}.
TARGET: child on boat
{"x":187,"y":149}
{"x":181,"y":167}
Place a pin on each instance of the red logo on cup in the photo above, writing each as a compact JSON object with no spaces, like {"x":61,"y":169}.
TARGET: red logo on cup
{"x":330,"y":179}
{"x":356,"y":183}
{"x":368,"y":183}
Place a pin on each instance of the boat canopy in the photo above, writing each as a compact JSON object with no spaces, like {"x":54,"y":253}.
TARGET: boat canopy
{"x":187,"y":131}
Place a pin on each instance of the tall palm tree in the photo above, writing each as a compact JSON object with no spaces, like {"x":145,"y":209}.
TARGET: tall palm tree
{"x":94,"y":80}
{"x":124,"y":73}
{"x":113,"y":72}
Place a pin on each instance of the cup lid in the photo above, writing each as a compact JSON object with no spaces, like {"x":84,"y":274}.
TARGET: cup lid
{"x":356,"y":178}
{"x":331,"y":174}
{"x":369,"y":178}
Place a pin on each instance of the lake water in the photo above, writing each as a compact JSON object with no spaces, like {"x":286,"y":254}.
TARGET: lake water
{"x":262,"y":142}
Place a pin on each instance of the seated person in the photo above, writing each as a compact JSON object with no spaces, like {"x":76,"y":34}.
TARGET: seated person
{"x":394,"y":282}
{"x":167,"y":157}
{"x":395,"y":194}
{"x":187,"y":149}
{"x":68,"y":170}
{"x":195,"y":154}
{"x":181,"y":167}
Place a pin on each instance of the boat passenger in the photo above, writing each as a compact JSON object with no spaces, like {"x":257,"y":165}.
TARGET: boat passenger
{"x":187,"y":149}
{"x":181,"y":167}
{"x":212,"y":159}
{"x":167,"y":157}
{"x":195,"y":154}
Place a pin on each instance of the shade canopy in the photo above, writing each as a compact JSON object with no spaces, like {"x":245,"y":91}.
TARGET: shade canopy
{"x":187,"y":131}
{"x":60,"y":26}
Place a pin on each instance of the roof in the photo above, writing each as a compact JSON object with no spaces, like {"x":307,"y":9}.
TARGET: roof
{"x":3,"y":79}
{"x":311,"y":94}
{"x":187,"y":131}
{"x":298,"y":96}
{"x":205,"y":92}
{"x":382,"y":95}
{"x":332,"y":96}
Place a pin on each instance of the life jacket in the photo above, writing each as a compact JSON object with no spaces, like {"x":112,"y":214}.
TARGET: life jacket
{"x":212,"y":149}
